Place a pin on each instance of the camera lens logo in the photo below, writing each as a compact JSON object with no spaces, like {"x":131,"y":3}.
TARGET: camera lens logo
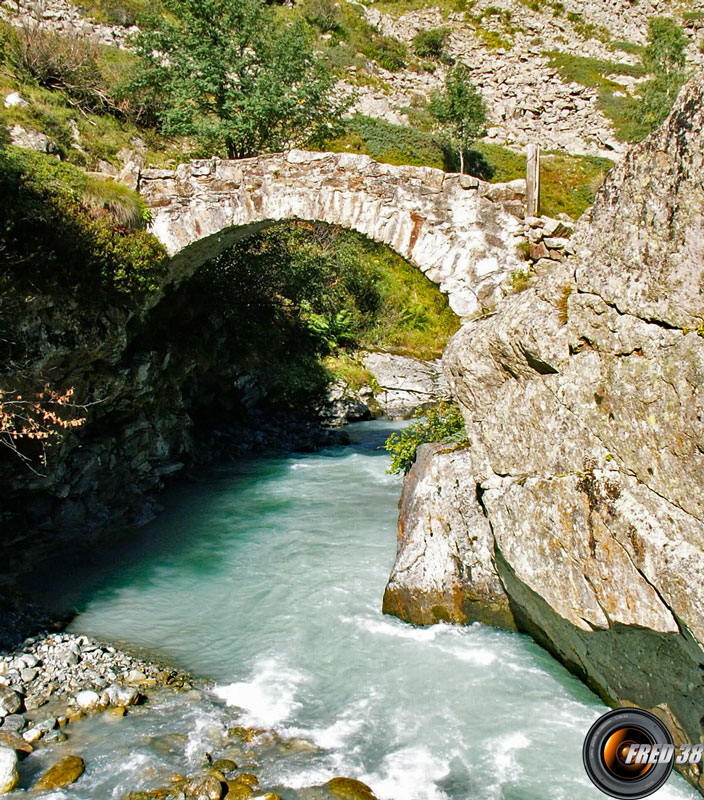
{"x":628,"y":754}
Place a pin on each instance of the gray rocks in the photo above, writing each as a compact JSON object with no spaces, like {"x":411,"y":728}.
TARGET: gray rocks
{"x":404,"y":384}
{"x":64,"y":18}
{"x":31,"y":140}
{"x":15,"y":99}
{"x":397,"y":386}
{"x":443,"y":571}
{"x":8,"y":770}
{"x":577,"y":504}
{"x":123,"y":696}
{"x":87,"y":700}
{"x":69,"y":676}
{"x":10,"y":702}
{"x":345,"y":404}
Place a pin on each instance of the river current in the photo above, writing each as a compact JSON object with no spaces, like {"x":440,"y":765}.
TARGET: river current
{"x":266,"y":576}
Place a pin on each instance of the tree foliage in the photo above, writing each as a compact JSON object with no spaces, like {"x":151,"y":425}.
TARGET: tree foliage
{"x":460,"y":110}
{"x":227,"y":73}
{"x":434,"y":424}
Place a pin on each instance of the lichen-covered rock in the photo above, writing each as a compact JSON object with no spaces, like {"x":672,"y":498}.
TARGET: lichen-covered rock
{"x":583,"y":481}
{"x":443,"y":572}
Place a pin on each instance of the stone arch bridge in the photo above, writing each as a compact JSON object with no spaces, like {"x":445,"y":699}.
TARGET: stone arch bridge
{"x":460,"y":231}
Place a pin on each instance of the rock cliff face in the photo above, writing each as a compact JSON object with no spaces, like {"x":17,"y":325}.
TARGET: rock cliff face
{"x":576,"y":511}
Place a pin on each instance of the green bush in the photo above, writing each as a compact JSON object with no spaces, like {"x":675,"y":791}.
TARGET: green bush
{"x":62,"y":231}
{"x":325,"y":15}
{"x":68,"y":64}
{"x":664,"y":58}
{"x":430,"y":42}
{"x":443,"y":423}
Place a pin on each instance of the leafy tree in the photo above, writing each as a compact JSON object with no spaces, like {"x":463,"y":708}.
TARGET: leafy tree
{"x":664,"y":58}
{"x":460,"y":110}
{"x":228,"y":74}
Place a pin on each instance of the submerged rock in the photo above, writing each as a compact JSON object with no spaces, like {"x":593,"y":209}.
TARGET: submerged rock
{"x":248,"y":779}
{"x":577,"y":509}
{"x":66,"y":772}
{"x":204,"y":787}
{"x":8,"y":770}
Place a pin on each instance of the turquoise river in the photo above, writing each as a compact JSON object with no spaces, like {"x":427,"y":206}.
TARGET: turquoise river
{"x":266,"y":577}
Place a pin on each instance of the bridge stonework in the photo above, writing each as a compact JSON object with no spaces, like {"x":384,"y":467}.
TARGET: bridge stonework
{"x":460,"y":231}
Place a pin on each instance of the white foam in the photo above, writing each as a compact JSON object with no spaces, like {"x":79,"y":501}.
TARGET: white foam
{"x":409,"y":773}
{"x":399,"y":630}
{"x":502,"y":752}
{"x":481,"y":656}
{"x":338,"y":735}
{"x":269,"y":698}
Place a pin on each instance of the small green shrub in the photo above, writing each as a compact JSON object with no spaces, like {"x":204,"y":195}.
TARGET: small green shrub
{"x":325,"y":15}
{"x":430,"y":42}
{"x":443,"y":423}
{"x":518,"y":281}
{"x":68,"y":64}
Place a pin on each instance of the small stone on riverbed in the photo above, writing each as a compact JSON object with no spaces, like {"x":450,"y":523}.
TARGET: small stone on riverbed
{"x":87,"y":700}
{"x":10,"y":702}
{"x":15,"y":742}
{"x":14,"y":723}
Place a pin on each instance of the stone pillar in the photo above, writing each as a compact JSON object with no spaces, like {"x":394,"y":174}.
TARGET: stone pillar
{"x":533,"y":181}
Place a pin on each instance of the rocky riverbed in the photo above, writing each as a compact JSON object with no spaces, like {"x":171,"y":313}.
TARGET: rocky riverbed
{"x":54,"y":682}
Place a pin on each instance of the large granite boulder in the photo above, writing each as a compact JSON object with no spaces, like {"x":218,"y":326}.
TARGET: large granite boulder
{"x":577,"y":509}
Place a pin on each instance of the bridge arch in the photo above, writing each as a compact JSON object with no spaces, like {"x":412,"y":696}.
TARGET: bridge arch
{"x":459,"y":231}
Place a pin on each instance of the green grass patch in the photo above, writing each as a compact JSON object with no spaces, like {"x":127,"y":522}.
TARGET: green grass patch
{"x":347,"y":367}
{"x":616,"y":103}
{"x":568,"y":182}
{"x":345,"y":23}
{"x":628,"y":47}
{"x":591,"y":72}
{"x":692,"y":16}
